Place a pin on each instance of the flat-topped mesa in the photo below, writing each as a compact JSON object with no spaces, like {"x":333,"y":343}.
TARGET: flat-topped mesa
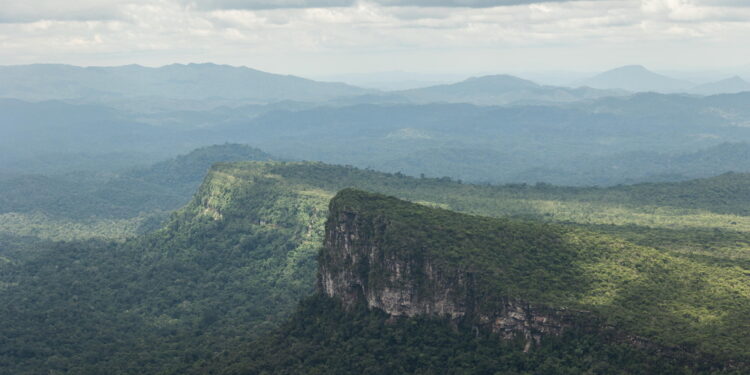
{"x":408,"y":260}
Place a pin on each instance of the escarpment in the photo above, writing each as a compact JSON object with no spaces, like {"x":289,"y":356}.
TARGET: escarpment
{"x":406,"y":260}
{"x":514,"y":278}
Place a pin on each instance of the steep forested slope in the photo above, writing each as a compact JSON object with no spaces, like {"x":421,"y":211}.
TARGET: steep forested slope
{"x":552,"y":291}
{"x":112,"y":205}
{"x":232,"y":264}
{"x":323,"y":338}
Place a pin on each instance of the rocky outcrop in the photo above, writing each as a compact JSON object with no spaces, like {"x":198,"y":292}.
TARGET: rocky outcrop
{"x":358,"y":264}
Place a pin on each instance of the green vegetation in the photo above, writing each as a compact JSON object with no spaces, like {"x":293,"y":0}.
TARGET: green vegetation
{"x":86,"y":205}
{"x":184,"y":173}
{"x":163,"y":301}
{"x":719,"y":202}
{"x":232,"y":264}
{"x":674,"y":301}
{"x":322,"y":339}
{"x":43,"y":226}
{"x":109,"y":271}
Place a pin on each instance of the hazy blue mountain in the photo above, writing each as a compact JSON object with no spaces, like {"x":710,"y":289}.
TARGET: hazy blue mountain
{"x":53,"y":137}
{"x":592,"y":143}
{"x":562,"y":143}
{"x":661,"y":109}
{"x":635,"y":78}
{"x":575,"y":169}
{"x":192,"y":82}
{"x":32,"y":130}
{"x":643,"y":166}
{"x":394,"y":80}
{"x":501,"y":89}
{"x":726,"y":86}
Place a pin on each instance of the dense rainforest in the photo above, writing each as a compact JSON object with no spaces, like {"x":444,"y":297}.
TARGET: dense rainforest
{"x":111,"y":205}
{"x":230,"y":267}
{"x":489,"y":226}
{"x":322,"y":338}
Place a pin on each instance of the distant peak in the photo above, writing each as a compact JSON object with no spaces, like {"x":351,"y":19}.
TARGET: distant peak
{"x":735,"y":79}
{"x":629,"y":71}
{"x":497,"y":77}
{"x":500,"y":78}
{"x":631,"y":68}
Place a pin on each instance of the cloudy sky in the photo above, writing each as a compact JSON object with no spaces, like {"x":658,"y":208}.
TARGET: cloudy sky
{"x":320,"y":37}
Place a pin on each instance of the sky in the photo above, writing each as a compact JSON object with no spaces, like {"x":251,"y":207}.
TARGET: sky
{"x":328,"y":37}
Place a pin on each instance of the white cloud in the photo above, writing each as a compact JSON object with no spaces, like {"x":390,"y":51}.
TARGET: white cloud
{"x":306,"y":36}
{"x":76,"y":10}
{"x":16,"y":11}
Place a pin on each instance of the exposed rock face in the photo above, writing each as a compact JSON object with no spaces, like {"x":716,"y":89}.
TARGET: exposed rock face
{"x":357,"y":266}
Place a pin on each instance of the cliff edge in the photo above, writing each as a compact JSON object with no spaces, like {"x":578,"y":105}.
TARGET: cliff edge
{"x":409,"y":260}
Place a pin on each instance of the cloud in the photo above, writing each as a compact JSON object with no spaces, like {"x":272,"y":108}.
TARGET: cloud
{"x":465,"y":3}
{"x":317,"y":35}
{"x":25,"y":10}
{"x":695,"y":11}
{"x":283,"y":4}
{"x":18,"y":11}
{"x":266,"y":4}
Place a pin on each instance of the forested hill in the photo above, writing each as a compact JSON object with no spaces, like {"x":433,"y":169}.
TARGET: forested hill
{"x":479,"y":292}
{"x":477,"y":268}
{"x":232,"y":265}
{"x":108,"y":205}
{"x":184,"y":173}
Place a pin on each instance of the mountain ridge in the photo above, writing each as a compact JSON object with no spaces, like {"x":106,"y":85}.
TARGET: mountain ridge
{"x":731,"y":85}
{"x":501,"y":89}
{"x":635,"y":78}
{"x":178,"y":81}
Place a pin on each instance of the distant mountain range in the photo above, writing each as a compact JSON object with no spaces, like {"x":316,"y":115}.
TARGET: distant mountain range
{"x":512,"y":130}
{"x":502,"y":89}
{"x":393,"y":80}
{"x":570,"y":144}
{"x":191,"y":87}
{"x":207,"y":86}
{"x":636,"y":78}
{"x":192,"y":82}
{"x":726,"y":86}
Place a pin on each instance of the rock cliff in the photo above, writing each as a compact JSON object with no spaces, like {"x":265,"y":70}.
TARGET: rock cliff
{"x":362,"y":262}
